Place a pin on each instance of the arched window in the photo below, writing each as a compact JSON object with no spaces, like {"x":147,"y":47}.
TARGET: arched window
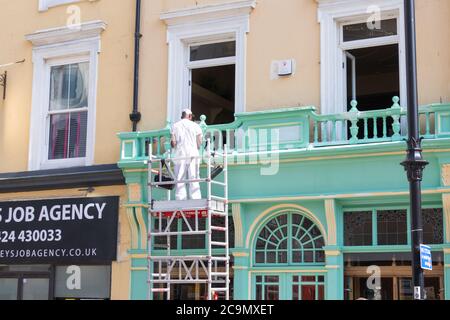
{"x":290,"y":238}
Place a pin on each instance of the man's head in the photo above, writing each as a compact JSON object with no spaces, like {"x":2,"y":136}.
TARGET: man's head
{"x":186,"y":114}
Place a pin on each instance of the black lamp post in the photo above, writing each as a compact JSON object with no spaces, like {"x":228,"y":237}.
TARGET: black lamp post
{"x":414,"y":163}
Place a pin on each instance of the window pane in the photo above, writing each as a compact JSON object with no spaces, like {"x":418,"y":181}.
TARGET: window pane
{"x":78,"y":132}
{"x":386,"y":259}
{"x":8,"y":289}
{"x":272,"y":292}
{"x":433,"y":288}
{"x":69,"y":86}
{"x":36,"y":289}
{"x":392,"y":227}
{"x":358,"y":228}
{"x":433,"y":226}
{"x":95,"y":283}
{"x":308,"y":292}
{"x":260,"y":244}
{"x":59,"y":131}
{"x":307,"y":224}
{"x":271,"y":257}
{"x":295,"y":295}
{"x":308,"y":278}
{"x":321,"y":292}
{"x":297,"y":257}
{"x":272,"y":279}
{"x":259,"y":257}
{"x":282,"y":257}
{"x":259,"y":292}
{"x":361,"y":31}
{"x":68,"y":134}
{"x":320,"y":256}
{"x":25,"y":268}
{"x":309,"y":256}
{"x":213,"y":51}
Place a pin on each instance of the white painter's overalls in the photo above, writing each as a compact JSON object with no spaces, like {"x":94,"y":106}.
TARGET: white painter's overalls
{"x":186,"y":132}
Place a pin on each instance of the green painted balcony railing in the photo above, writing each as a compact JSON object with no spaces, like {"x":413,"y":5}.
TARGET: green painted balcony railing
{"x":298,"y":128}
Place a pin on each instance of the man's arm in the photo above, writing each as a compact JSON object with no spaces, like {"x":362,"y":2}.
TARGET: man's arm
{"x":173,"y":141}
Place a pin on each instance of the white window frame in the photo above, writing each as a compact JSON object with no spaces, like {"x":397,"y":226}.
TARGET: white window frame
{"x":332,"y":14}
{"x":44,"y":5}
{"x":205,"y":63}
{"x":209,"y":24}
{"x":49,"y":50}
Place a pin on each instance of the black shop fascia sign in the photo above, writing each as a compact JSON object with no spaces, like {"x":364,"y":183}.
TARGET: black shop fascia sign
{"x":59,"y":231}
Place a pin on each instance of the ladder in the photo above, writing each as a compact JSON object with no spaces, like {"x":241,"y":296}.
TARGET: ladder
{"x":171,"y":219}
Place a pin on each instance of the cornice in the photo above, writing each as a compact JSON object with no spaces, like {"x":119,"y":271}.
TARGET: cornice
{"x":51,"y":36}
{"x":202,"y":13}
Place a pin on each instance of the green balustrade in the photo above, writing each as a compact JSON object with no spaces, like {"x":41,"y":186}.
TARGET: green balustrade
{"x":296,"y":128}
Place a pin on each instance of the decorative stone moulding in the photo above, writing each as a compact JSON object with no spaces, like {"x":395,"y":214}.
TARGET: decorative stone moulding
{"x":51,"y":36}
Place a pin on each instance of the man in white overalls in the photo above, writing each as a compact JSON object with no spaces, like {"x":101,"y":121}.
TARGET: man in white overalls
{"x":187,"y":137}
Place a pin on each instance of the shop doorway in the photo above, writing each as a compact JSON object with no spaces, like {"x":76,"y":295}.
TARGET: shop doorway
{"x":26,"y":283}
{"x":395,"y":284}
{"x":289,"y":286}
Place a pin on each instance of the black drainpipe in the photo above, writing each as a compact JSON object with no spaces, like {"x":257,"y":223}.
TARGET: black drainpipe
{"x":135,"y":116}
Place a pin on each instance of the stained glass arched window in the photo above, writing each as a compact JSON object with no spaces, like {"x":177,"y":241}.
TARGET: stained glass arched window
{"x":290,"y":238}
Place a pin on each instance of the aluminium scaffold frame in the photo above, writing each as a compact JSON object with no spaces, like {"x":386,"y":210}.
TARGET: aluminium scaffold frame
{"x":212,"y":268}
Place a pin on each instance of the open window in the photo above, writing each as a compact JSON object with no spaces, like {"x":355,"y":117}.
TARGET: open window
{"x":372,"y":68}
{"x":362,"y":55}
{"x":371,"y":63}
{"x":207,"y":50}
{"x":212,"y":71}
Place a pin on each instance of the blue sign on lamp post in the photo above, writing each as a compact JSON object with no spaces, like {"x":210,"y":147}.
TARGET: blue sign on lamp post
{"x":426,"y":261}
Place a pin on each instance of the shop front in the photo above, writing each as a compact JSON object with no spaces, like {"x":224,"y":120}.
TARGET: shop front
{"x":59,"y":248}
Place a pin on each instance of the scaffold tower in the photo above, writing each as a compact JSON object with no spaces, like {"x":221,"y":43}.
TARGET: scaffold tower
{"x":203,"y":222}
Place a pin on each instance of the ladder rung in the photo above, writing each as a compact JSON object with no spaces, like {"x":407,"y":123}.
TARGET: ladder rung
{"x":176,"y":233}
{"x":218,"y":213}
{"x":184,"y":258}
{"x":156,"y":184}
{"x":160,"y":290}
{"x":219,"y":274}
{"x":218,"y":198}
{"x":218,"y":183}
{"x":164,"y":246}
{"x":220,"y":258}
{"x":219,"y":228}
{"x":177,"y":281}
{"x":219,"y":289}
{"x":220,"y":244}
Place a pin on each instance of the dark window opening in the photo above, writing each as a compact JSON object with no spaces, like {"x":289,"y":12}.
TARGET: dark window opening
{"x":373,"y":82}
{"x":213,"y":93}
